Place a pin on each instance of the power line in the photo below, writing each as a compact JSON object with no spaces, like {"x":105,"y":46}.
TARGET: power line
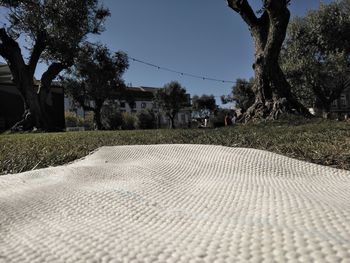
{"x":181,"y":73}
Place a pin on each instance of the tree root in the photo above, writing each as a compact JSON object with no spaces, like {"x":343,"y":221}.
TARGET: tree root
{"x":271,"y":110}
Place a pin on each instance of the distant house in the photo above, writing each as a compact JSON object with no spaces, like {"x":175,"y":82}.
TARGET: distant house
{"x":142,"y":99}
{"x":341,"y":106}
{"x":11,"y":103}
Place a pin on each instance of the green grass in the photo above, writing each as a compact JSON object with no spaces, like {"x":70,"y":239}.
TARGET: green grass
{"x":322,"y":142}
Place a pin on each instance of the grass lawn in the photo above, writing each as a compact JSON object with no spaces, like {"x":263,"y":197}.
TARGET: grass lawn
{"x":322,"y":142}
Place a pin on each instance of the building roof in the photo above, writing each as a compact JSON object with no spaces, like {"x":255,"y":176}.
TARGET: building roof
{"x":141,"y":93}
{"x":143,"y":89}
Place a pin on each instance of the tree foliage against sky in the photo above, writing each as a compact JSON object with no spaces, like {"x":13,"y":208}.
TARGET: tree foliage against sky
{"x":171,"y":99}
{"x":95,"y":78}
{"x":242,"y":94}
{"x":203,"y":105}
{"x":53,"y":31}
{"x":316,"y":54}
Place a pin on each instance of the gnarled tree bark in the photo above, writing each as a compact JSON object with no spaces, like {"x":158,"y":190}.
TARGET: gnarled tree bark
{"x":35,"y":101}
{"x":272,"y":92}
{"x":23,"y":78}
{"x":44,"y":93}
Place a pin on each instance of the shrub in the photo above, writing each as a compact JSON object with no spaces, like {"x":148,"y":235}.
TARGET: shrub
{"x":71,"y":119}
{"x":146,"y":120}
{"x":111,"y":117}
{"x":129,"y":121}
{"x":88,"y":122}
{"x":218,"y":120}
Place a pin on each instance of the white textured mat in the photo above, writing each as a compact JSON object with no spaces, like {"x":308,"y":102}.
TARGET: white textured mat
{"x":177,"y":203}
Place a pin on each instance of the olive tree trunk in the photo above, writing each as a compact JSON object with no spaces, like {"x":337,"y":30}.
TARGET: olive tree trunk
{"x":23,"y":78}
{"x":172,"y":121}
{"x":37,"y":112}
{"x":272,"y":92}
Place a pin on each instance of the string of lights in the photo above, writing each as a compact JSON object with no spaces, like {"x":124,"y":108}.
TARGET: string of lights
{"x":181,"y":73}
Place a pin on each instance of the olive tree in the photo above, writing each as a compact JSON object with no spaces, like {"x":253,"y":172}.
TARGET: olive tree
{"x":316,"y":55}
{"x":96,"y":78}
{"x":171,"y":99}
{"x":272,"y":92}
{"x":53,"y":31}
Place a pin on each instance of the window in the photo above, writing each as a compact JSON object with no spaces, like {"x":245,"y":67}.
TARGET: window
{"x":143,"y":105}
{"x":343,"y":101}
{"x":335,"y":103}
{"x":132,"y":104}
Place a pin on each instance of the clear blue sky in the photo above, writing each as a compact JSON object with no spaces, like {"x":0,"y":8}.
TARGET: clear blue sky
{"x":201,"y":37}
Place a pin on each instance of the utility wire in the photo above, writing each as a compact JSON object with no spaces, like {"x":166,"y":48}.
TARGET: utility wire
{"x":181,"y":73}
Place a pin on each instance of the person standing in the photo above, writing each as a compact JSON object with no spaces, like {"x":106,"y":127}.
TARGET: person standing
{"x":234,"y":118}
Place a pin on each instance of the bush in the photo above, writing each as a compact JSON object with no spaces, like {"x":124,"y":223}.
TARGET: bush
{"x":146,"y":120}
{"x":218,"y":120}
{"x":72,"y":120}
{"x":129,"y":121}
{"x":111,"y":117}
{"x":88,"y":122}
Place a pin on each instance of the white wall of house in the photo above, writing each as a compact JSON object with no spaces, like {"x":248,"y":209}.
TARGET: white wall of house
{"x":140,"y":105}
{"x":182,"y":119}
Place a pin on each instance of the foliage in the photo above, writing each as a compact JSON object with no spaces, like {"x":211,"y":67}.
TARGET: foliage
{"x":171,"y":99}
{"x":129,"y":121}
{"x":59,"y":25}
{"x":72,"y":120}
{"x":89,"y":120}
{"x":146,"y":120}
{"x":242,"y":94}
{"x":96,"y":77}
{"x":111,"y":116}
{"x":316,"y":54}
{"x":204,"y":102}
{"x":218,"y":120}
{"x":322,"y":142}
{"x":204,"y":105}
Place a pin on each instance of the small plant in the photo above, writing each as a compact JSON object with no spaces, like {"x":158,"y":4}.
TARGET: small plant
{"x":71,"y":118}
{"x":111,"y":117}
{"x":129,"y":121}
{"x":146,"y":120}
{"x":88,"y":121}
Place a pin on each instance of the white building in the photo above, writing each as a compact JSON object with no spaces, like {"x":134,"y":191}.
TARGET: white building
{"x":142,"y":99}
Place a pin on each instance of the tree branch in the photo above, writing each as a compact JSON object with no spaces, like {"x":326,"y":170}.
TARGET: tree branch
{"x":245,"y":10}
{"x":9,"y":48}
{"x":39,"y":47}
{"x":52,"y":72}
{"x":279,"y":16}
{"x":11,"y":52}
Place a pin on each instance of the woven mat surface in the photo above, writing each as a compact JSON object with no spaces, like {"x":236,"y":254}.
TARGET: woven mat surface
{"x":177,"y":203}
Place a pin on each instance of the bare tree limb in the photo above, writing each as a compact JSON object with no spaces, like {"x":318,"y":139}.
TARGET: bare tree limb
{"x":38,"y":49}
{"x":52,"y":72}
{"x":245,"y":10}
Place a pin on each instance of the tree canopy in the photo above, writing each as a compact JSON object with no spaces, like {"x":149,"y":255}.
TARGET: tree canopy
{"x":242,"y":94}
{"x":171,"y":99}
{"x":95,"y":78}
{"x":204,"y":105}
{"x":316,"y":54}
